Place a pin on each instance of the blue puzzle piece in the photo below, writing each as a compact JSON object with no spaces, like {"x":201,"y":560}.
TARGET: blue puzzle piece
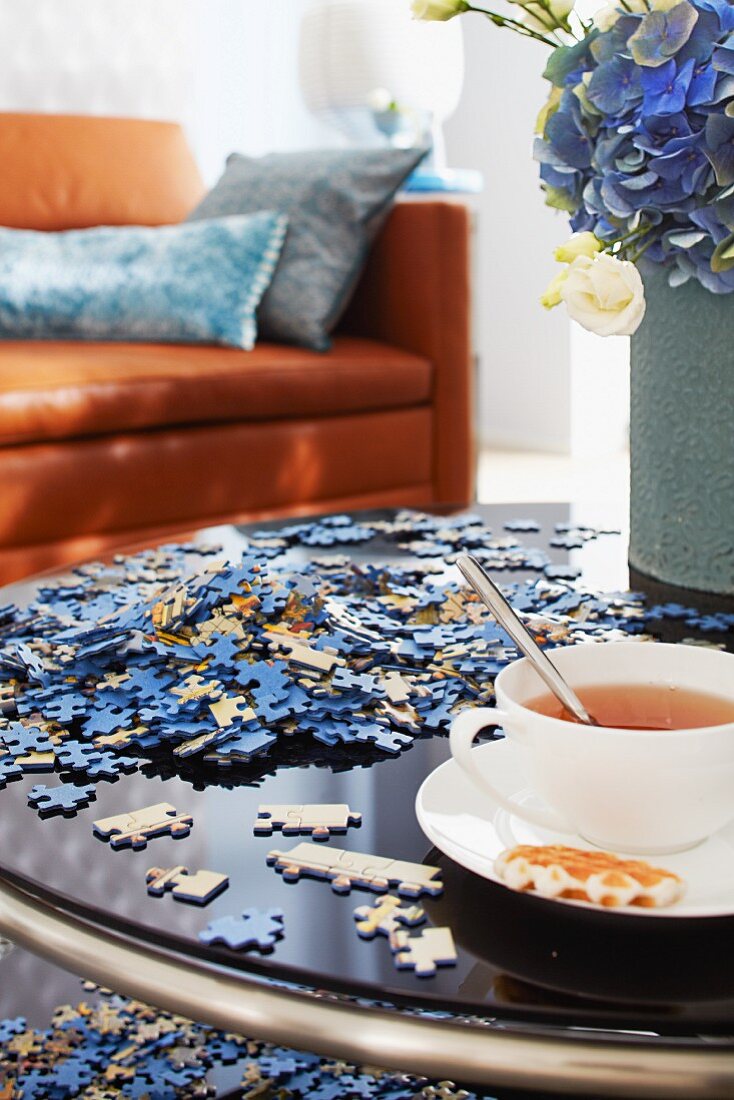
{"x":520,"y":525}
{"x":71,"y":1075}
{"x":381,"y":736}
{"x":255,"y":928}
{"x":97,"y":763}
{"x":161,"y":1072}
{"x":243,"y":744}
{"x":108,"y":765}
{"x":11,"y":1027}
{"x":562,"y":572}
{"x":66,"y":798}
{"x":74,"y":755}
{"x":105,"y":720}
{"x":64,"y":708}
{"x":21,"y":739}
{"x":227,"y":1049}
{"x":345,"y":680}
{"x":35,"y":1085}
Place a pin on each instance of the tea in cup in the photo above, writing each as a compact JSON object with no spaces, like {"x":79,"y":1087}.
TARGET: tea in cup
{"x":647,"y":784}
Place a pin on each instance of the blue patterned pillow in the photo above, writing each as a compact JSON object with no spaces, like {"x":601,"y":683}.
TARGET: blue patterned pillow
{"x":336,"y":201}
{"x":177,"y":284}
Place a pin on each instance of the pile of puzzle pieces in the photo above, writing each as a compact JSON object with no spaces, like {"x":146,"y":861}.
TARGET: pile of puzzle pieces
{"x":216,"y":661}
{"x":110,"y":1048}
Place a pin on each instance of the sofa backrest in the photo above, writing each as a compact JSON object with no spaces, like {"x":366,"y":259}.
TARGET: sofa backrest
{"x":73,"y":171}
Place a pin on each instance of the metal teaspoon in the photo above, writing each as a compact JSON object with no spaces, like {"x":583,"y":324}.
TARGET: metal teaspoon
{"x":488,"y":591}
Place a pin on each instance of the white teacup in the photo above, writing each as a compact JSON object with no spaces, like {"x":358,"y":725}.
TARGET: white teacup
{"x":638,"y":791}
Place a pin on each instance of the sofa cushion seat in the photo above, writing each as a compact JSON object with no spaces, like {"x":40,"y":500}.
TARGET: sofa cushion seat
{"x":53,"y":390}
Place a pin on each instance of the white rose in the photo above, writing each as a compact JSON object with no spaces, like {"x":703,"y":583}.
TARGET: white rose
{"x":438,"y":9}
{"x":604,"y":294}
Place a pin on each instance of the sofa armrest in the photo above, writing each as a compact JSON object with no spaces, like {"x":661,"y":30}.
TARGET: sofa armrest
{"x":415,"y":294}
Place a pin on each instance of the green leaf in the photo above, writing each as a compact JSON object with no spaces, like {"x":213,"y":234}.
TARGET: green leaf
{"x":723,"y":257}
{"x":565,"y":59}
{"x":724,"y":209}
{"x":559,"y":199}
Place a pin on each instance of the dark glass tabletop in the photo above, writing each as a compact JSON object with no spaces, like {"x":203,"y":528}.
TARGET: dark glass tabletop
{"x":519,"y":958}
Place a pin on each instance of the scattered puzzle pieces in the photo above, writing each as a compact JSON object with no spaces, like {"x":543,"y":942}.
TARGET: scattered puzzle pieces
{"x":345,"y":869}
{"x":318,"y":819}
{"x":220,"y":661}
{"x":255,"y":928}
{"x":198,"y":888}
{"x":431,"y":948}
{"x":139,"y":826}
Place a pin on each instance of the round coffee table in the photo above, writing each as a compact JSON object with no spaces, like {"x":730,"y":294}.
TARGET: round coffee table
{"x":544,"y":997}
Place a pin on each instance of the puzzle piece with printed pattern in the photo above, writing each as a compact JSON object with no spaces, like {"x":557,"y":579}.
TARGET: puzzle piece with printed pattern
{"x":202,"y":742}
{"x":299,"y":653}
{"x":231,"y":710}
{"x":385,"y":916}
{"x":255,"y":928}
{"x":139,"y":826}
{"x":67,"y":798}
{"x":36,"y":762}
{"x":444,"y":1090}
{"x":191,"y":694}
{"x":318,"y":819}
{"x":345,"y":869}
{"x":198,"y":888}
{"x":423,"y":953}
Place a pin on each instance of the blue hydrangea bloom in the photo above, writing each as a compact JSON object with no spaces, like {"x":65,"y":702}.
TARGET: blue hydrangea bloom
{"x":640,"y":144}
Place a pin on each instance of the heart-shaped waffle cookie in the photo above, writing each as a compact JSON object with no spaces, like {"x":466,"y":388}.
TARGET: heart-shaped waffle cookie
{"x":601,"y":878}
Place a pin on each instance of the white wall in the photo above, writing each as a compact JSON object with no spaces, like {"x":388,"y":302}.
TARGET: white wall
{"x":246,"y":79}
{"x":524,"y":393}
{"x":543,"y":381}
{"x":227,"y":69}
{"x":118,"y":57}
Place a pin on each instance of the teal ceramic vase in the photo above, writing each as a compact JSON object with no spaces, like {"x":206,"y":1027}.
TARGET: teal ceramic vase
{"x":682,"y":438}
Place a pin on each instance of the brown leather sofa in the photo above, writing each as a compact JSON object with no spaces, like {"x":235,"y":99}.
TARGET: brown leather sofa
{"x":105,"y":444}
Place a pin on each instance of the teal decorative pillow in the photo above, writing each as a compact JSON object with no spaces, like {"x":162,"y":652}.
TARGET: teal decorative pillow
{"x":336,"y":201}
{"x":179,"y":284}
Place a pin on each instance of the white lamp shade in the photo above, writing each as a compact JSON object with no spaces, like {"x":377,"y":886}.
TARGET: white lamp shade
{"x":348,"y":48}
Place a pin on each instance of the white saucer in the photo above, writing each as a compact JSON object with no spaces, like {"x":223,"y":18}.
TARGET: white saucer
{"x":469,"y":827}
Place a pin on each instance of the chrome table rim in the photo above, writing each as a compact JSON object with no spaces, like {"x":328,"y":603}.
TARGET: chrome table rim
{"x":576,"y":1063}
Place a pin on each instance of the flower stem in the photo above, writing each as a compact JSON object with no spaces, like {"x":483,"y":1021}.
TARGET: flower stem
{"x":560,"y":25}
{"x":515,"y":25}
{"x":642,"y":251}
